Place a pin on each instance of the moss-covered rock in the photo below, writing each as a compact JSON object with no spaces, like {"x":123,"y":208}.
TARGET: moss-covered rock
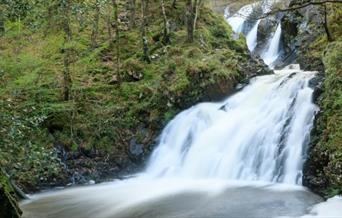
{"x":8,"y":202}
{"x":323,"y":170}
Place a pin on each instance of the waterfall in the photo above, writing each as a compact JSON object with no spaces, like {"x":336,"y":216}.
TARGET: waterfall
{"x":252,"y":37}
{"x":272,"y":53}
{"x":260,"y":133}
{"x":238,"y":20}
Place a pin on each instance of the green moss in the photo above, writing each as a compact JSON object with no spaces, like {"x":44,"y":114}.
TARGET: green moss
{"x":108,"y":102}
{"x":330,"y":122}
{"x":8,"y":203}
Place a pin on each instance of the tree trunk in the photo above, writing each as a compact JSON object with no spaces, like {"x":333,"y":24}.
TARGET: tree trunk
{"x":326,"y":24}
{"x":67,"y":82}
{"x":189,"y":21}
{"x":197,"y":6}
{"x":132,"y":14}
{"x":109,"y":27}
{"x":144,"y":40}
{"x":95,"y":29}
{"x":174,"y":3}
{"x":2,"y":22}
{"x":166,"y":38}
{"x":117,"y":34}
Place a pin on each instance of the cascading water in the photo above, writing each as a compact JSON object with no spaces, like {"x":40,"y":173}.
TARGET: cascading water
{"x":238,"y":20}
{"x":260,"y":133}
{"x":272,"y":53}
{"x":251,"y":37}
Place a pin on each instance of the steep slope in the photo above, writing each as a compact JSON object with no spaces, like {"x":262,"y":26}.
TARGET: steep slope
{"x":109,"y":126}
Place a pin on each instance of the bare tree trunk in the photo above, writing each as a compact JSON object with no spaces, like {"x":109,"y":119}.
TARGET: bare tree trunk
{"x":117,"y":34}
{"x":189,"y":21}
{"x":67,"y":82}
{"x":95,"y":29}
{"x":109,"y":27}
{"x":144,"y":40}
{"x":132,"y":13}
{"x":2,"y":26}
{"x":2,"y":22}
{"x":166,"y":38}
{"x":174,"y":3}
{"x":326,"y":24}
{"x":197,"y":6}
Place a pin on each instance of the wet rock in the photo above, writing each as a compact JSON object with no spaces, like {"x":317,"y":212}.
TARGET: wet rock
{"x":316,"y":84}
{"x":135,"y":148}
{"x":266,"y":27}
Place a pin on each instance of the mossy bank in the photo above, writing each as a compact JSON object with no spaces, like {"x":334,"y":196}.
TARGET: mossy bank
{"x":117,"y":108}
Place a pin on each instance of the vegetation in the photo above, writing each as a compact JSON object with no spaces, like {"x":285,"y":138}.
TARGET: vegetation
{"x":81,"y":79}
{"x":325,"y":161}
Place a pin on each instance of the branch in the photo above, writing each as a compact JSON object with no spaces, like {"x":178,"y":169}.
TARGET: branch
{"x":272,"y":12}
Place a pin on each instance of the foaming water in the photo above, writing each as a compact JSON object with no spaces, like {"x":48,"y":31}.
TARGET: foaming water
{"x":252,"y":37}
{"x":237,"y":21}
{"x":272,"y":53}
{"x":260,"y":133}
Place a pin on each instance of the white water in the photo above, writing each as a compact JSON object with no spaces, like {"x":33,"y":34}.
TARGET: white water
{"x":237,"y":20}
{"x":272,"y":53}
{"x":260,"y":133}
{"x":251,"y":37}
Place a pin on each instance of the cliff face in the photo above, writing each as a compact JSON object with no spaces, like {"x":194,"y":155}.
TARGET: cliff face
{"x":306,"y":39}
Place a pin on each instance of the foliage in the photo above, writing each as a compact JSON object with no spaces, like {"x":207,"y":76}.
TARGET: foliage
{"x":110,"y":103}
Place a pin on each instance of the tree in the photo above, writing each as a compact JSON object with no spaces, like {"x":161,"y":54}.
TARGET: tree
{"x":174,"y":3}
{"x":95,"y":26}
{"x":66,"y":50}
{"x":117,"y":33}
{"x":132,"y":6}
{"x":189,"y":21}
{"x":166,"y":32}
{"x":2,"y":21}
{"x":197,"y":6}
{"x":144,"y":40}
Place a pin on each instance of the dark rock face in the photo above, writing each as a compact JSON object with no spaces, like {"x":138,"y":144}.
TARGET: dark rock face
{"x":300,"y":28}
{"x":266,"y":27}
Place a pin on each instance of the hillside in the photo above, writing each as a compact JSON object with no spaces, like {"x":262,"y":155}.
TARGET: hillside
{"x":118,"y":101}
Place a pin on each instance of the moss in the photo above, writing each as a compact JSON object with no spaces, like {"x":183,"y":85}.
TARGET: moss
{"x":326,"y":157}
{"x":108,"y":107}
{"x":8,"y":202}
